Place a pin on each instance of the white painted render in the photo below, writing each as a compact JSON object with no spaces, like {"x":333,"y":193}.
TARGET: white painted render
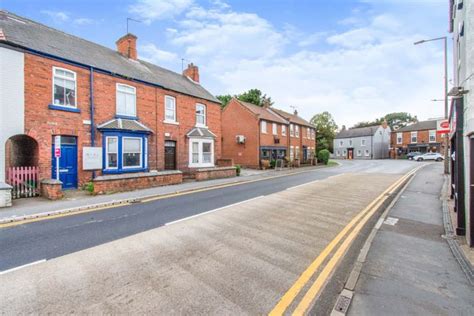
{"x":12,"y":99}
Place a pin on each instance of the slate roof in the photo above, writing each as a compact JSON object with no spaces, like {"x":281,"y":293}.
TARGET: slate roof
{"x":125,"y":125}
{"x":263,"y":113}
{"x":200,"y":132}
{"x":357,"y":132}
{"x":293,"y":118}
{"x":33,"y":35}
{"x":419,"y":126}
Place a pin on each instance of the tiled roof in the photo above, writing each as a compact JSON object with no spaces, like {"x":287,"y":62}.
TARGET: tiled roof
{"x":263,"y":113}
{"x":200,"y":132}
{"x":293,"y":118}
{"x":357,"y":132}
{"x":33,"y":35}
{"x":419,"y":126}
{"x":125,"y":125}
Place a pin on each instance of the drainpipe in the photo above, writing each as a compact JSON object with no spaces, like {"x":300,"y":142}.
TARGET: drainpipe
{"x":91,"y":94}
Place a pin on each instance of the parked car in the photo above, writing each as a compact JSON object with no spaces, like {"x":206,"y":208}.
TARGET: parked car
{"x":429,"y":156}
{"x":412,"y":154}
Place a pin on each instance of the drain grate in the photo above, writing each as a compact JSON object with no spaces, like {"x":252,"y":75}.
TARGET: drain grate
{"x":342,"y":304}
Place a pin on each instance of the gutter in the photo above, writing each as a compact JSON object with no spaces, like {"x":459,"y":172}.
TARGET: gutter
{"x":91,"y":95}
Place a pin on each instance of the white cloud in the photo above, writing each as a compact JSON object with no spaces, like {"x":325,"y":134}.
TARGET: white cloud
{"x":150,"y":10}
{"x":83,"y":21}
{"x":363,"y":72}
{"x":57,"y":15}
{"x":153,"y":54}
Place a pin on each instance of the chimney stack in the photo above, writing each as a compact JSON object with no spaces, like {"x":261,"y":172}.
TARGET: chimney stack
{"x":266,"y":103}
{"x":127,"y":46}
{"x":192,"y":72}
{"x":295,"y":112}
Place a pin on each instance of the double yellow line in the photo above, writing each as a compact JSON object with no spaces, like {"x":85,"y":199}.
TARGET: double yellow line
{"x":358,"y":222}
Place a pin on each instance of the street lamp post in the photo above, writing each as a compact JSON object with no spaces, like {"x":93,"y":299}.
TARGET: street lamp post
{"x":446,"y":140}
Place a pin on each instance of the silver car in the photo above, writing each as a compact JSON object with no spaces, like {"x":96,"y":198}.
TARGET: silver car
{"x":429,"y":156}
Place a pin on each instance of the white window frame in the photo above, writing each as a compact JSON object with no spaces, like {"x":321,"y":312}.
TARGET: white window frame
{"x":283,"y":130}
{"x":107,"y":152}
{"x":432,"y":133}
{"x":308,"y":133}
{"x":367,"y":153}
{"x":65,"y":78}
{"x":200,"y":162}
{"x":173,"y":120}
{"x":399,"y":138}
{"x":338,"y":153}
{"x":297,"y":152}
{"x":292,"y":130}
{"x":297,"y":131}
{"x":341,"y":143}
{"x":415,"y":136}
{"x":350,"y":142}
{"x":274,"y":128}
{"x":202,"y":115}
{"x":359,"y":152}
{"x":292,"y":153}
{"x":117,"y":91}
{"x":141,"y":153}
{"x":263,"y":127}
{"x":362,"y":142}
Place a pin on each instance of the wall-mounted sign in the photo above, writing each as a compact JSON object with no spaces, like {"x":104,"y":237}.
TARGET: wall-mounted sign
{"x":442,"y":126}
{"x":57,"y":152}
{"x":91,"y":158}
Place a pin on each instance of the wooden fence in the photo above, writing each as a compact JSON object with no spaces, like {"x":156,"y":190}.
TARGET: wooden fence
{"x":24,"y":180}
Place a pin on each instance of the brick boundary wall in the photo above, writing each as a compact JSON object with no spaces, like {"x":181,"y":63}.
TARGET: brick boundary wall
{"x":215,"y":173}
{"x":51,"y":189}
{"x":225,"y":162}
{"x":135,"y":181}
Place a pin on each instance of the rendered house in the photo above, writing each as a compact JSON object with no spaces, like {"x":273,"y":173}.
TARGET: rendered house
{"x":128,"y":115}
{"x":420,"y":136}
{"x":371,"y":142}
{"x":252,"y":134}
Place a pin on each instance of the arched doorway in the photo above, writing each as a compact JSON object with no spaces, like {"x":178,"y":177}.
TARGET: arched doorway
{"x":21,"y":165}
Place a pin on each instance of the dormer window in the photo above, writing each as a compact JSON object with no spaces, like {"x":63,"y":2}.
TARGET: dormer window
{"x":64,"y":87}
{"x":126,"y":100}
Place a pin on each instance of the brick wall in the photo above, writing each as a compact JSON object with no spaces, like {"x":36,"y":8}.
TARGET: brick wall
{"x":214,"y":173}
{"x":422,"y":138}
{"x":120,"y":183}
{"x":42,"y":123}
{"x":237,"y":120}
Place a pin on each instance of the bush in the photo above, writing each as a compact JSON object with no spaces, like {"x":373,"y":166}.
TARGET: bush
{"x":89,"y":186}
{"x":237,"y":170}
{"x":323,"y":156}
{"x":273,"y":163}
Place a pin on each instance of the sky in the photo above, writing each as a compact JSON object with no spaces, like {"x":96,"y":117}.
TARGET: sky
{"x":353,"y":58}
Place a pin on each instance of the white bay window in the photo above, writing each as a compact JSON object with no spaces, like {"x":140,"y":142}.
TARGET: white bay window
{"x":201,"y":152}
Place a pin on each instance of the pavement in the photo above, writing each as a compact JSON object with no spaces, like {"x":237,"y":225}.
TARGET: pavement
{"x":410,"y":269}
{"x":76,"y":199}
{"x":233,"y":250}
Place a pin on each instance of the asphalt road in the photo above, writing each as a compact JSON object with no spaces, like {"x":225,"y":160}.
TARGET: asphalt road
{"x":47,"y":239}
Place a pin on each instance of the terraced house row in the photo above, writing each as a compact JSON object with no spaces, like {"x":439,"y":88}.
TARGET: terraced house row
{"x":75,"y":113}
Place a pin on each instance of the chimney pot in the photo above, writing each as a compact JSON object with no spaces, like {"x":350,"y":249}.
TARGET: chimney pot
{"x":192,"y":72}
{"x":295,"y":112}
{"x":127,"y":46}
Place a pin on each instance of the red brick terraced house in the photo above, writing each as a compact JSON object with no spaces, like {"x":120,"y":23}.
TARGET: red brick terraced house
{"x":115,"y":117}
{"x":302,"y":137}
{"x":253,"y":134}
{"x":420,"y":136}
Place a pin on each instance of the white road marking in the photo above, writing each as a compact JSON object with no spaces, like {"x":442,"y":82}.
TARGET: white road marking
{"x":21,"y":267}
{"x":214,"y":210}
{"x":391,"y":221}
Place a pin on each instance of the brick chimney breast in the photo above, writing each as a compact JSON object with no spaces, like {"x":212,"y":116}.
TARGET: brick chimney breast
{"x":127,"y":46}
{"x":192,"y":72}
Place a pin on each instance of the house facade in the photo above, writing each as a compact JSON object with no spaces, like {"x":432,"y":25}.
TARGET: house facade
{"x":107,"y":111}
{"x":420,"y":136}
{"x":252,"y":134}
{"x":461,"y":118}
{"x":371,"y":142}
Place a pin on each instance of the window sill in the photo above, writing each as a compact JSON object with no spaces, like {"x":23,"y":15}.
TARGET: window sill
{"x":201,"y":165}
{"x":63,"y":108}
{"x":201,"y":126}
{"x":171,"y":122}
{"x":126,"y":117}
{"x":126,"y":170}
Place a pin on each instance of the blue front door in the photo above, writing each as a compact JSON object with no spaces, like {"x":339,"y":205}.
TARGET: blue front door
{"x":67,"y":162}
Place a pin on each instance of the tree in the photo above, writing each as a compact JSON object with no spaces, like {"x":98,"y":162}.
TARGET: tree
{"x":325,"y":130}
{"x":225,"y":99}
{"x":395,"y":120}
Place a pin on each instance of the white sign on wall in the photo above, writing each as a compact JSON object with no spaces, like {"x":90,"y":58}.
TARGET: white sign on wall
{"x":91,"y":158}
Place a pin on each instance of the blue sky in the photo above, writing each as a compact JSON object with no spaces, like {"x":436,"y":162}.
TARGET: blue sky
{"x":355,"y":59}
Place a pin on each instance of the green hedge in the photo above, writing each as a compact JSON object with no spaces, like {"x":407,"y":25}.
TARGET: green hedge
{"x":323,"y":156}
